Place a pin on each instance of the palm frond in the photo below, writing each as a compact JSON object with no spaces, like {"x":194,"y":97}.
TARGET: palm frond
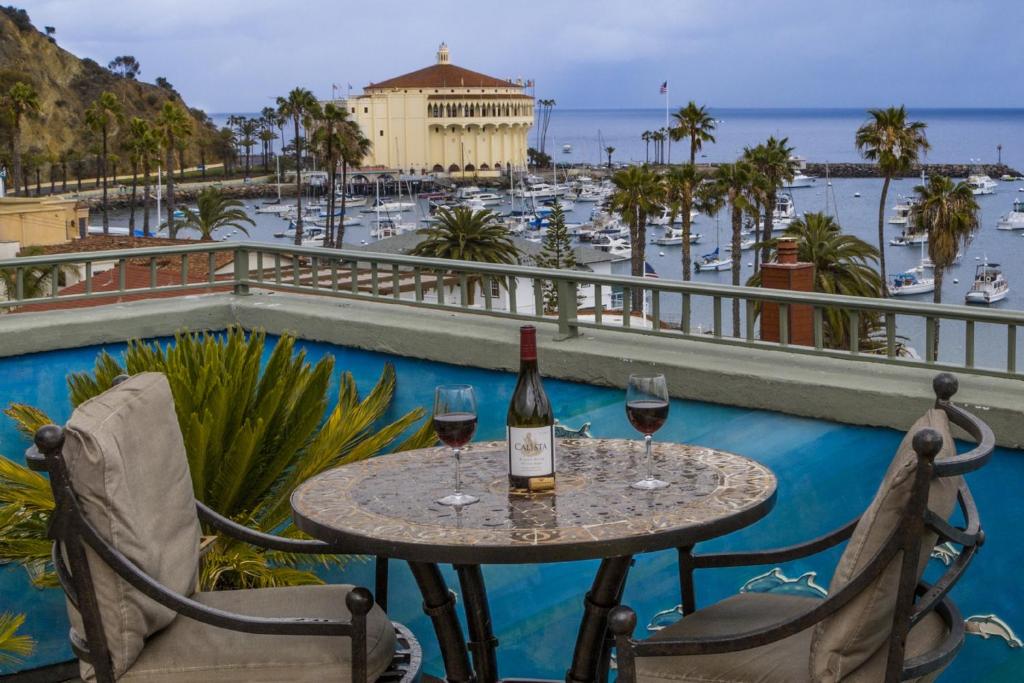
{"x":14,"y":648}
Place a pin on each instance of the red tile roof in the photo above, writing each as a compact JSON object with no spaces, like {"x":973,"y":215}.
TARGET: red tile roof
{"x":442,"y":76}
{"x":136,"y":277}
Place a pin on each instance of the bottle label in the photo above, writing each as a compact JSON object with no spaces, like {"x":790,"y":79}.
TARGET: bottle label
{"x":531,"y":451}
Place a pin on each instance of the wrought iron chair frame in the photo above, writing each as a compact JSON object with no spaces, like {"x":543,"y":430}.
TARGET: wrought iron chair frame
{"x":72,"y":533}
{"x":906,"y":537}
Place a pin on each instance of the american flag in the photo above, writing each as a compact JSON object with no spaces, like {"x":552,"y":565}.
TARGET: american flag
{"x":649,"y":270}
{"x":664,"y":88}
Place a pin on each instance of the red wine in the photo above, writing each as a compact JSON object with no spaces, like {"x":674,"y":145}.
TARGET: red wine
{"x":530,"y":423}
{"x":455,"y":429}
{"x":647,"y":415}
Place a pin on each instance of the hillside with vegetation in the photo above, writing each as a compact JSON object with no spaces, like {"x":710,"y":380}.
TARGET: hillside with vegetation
{"x":54,"y":131}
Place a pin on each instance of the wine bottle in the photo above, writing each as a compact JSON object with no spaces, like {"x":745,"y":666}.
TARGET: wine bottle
{"x":530,"y":424}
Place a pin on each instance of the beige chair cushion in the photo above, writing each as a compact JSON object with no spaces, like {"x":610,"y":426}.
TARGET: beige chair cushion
{"x":189,"y":651}
{"x":849,"y":638}
{"x":128,"y":467}
{"x":784,"y":661}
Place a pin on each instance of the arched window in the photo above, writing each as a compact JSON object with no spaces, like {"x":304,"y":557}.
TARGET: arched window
{"x":454,"y":168}
{"x":438,"y":168}
{"x":470,"y":167}
{"x":497,"y":165}
{"x":484,"y":167}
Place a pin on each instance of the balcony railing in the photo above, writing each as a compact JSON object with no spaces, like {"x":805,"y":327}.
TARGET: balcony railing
{"x":467,"y":287}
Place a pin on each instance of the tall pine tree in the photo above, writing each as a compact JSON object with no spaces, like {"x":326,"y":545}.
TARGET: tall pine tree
{"x":556,"y":252}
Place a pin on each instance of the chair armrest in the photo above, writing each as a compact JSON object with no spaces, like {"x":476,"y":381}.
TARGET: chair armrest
{"x":359,"y":600}
{"x":263,"y":540}
{"x":776,"y":555}
{"x":622,"y":619}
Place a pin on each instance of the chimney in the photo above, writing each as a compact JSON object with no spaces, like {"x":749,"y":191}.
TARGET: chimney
{"x":790,"y":274}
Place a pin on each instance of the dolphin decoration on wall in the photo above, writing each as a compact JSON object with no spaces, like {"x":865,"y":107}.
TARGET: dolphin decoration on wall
{"x":775,"y":581}
{"x":563,"y":432}
{"x":988,"y":625}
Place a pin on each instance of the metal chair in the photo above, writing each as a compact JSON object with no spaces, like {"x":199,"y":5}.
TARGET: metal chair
{"x":917,"y":629}
{"x":116,"y":588}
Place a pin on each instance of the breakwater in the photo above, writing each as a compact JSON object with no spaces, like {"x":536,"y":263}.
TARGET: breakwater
{"x":868,"y":170}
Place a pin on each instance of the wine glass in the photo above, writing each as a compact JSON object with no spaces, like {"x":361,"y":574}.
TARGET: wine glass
{"x":455,"y":423}
{"x":647,"y":410}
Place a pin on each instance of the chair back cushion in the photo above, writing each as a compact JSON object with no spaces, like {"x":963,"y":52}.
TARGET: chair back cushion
{"x":850,"y":637}
{"x":127,"y":464}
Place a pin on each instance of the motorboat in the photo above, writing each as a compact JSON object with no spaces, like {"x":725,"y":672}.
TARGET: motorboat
{"x":616,"y":246}
{"x":674,"y":237}
{"x":275,"y":208}
{"x":981,"y":184}
{"x":909,"y":283}
{"x":566,"y":204}
{"x":712,"y":261}
{"x":800,"y":180}
{"x":905,"y":239}
{"x":543,"y":191}
{"x":386,"y":227}
{"x":390,"y":206}
{"x":468,"y":191}
{"x":351,"y":201}
{"x":990,"y":285}
{"x":490,"y":198}
{"x":744,"y":245}
{"x":666,"y":217}
{"x":901,"y":212}
{"x":784,"y":212}
{"x":566,"y":149}
{"x":1014,"y":220}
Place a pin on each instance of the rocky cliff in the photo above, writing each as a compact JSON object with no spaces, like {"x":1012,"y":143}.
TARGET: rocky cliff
{"x":67,"y":85}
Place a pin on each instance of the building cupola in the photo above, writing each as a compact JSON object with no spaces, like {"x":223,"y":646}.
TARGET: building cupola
{"x":442,"y":54}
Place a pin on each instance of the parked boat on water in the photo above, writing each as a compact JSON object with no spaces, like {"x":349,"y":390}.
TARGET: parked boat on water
{"x":990,"y":285}
{"x":981,"y":184}
{"x":1014,"y":220}
{"x":905,"y":239}
{"x":784,"y":212}
{"x":800,"y":180}
{"x":901,"y":212}
{"x":674,"y":237}
{"x":712,"y":261}
{"x":909,"y":283}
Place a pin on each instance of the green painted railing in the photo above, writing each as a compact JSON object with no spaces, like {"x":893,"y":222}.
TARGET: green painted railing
{"x":494,"y":290}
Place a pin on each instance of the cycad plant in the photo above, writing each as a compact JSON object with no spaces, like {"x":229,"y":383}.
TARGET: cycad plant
{"x":13,"y":647}
{"x":251,"y":437}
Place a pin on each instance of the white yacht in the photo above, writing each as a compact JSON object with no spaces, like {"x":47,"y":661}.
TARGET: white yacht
{"x":800,"y":180}
{"x":744,"y":245}
{"x":1014,"y":220}
{"x":275,"y":208}
{"x":666,"y":216}
{"x":567,"y":149}
{"x":908,"y":284}
{"x":393,"y":206}
{"x":901,"y":212}
{"x":490,"y":198}
{"x":905,"y":239}
{"x":467,"y":191}
{"x":981,"y":184}
{"x":543,"y":191}
{"x":615,"y":246}
{"x":674,"y":237}
{"x":990,"y":285}
{"x":784,"y":212}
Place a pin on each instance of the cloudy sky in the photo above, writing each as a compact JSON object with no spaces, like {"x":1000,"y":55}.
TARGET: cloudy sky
{"x":236,"y":55}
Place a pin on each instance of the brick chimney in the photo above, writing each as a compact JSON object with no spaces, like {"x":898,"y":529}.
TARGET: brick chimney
{"x":790,"y":274}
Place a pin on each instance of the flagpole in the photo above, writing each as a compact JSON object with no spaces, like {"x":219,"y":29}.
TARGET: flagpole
{"x":668,"y":140}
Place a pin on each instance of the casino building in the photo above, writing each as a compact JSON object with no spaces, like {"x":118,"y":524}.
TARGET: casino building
{"x":445,"y":120}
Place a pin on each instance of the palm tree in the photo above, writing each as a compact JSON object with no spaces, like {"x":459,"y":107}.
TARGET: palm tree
{"x":267,"y":120}
{"x":102,"y":117}
{"x":732,"y":183}
{"x":773,"y":159}
{"x":356,"y":147}
{"x":299,"y":106}
{"x":646,"y":137}
{"x":255,"y":426}
{"x":466,"y":235}
{"x":949,"y":212}
{"x":659,"y":145}
{"x":894,"y":144}
{"x":213,"y":212}
{"x":173,"y":126}
{"x":695,"y":123}
{"x":609,"y":151}
{"x":21,"y":100}
{"x":329,"y":141}
{"x":843,"y":265}
{"x":247,"y":130}
{"x":681,"y":183}
{"x":140,"y":135}
{"x":638,"y":193}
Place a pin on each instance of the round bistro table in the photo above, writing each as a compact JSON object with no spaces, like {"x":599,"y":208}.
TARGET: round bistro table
{"x":386,"y":506}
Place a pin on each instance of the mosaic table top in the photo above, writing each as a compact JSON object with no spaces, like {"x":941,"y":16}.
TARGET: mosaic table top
{"x":386,"y":505}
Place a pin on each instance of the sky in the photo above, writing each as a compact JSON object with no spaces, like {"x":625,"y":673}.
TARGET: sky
{"x":238,"y":55}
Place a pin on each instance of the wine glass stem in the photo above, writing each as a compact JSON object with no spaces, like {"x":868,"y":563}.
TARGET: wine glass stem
{"x":458,"y":470}
{"x":650,"y":463}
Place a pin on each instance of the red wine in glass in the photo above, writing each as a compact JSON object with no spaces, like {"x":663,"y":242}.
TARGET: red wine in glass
{"x":647,"y":416}
{"x":455,"y":429}
{"x":647,"y":410}
{"x":455,"y":423}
